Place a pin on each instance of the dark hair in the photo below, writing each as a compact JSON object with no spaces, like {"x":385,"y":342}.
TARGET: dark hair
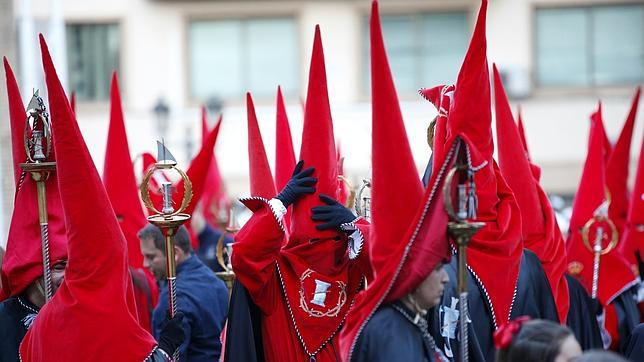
{"x":600,"y":356}
{"x":181,"y":239}
{"x":537,"y":340}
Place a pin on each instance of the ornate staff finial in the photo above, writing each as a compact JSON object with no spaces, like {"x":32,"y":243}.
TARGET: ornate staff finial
{"x":37,"y":142}
{"x":168,"y":219}
{"x":602,"y":226}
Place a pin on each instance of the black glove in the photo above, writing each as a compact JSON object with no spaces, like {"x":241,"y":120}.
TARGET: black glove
{"x":640,"y":263}
{"x":172,"y":334}
{"x":300,"y":183}
{"x":334,"y":214}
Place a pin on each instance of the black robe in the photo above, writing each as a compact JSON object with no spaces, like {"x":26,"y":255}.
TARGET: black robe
{"x":389,"y":336}
{"x":628,"y":316}
{"x":582,"y":316}
{"x":635,"y":344}
{"x":16,"y":315}
{"x":243,"y":331}
{"x":533,"y":298}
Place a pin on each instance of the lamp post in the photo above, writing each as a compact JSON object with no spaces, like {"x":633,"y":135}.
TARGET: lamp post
{"x":161,"y":113}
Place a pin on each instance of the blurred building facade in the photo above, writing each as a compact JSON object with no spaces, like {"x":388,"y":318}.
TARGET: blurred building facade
{"x":557,"y":58}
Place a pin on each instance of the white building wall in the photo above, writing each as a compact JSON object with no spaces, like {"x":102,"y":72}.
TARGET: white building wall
{"x":154,"y":61}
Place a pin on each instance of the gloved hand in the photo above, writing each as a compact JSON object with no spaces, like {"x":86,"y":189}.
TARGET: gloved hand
{"x":335,"y":214}
{"x":172,"y":334}
{"x":300,"y":183}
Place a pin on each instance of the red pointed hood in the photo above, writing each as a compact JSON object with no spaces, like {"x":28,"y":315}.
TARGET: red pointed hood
{"x":119,"y":179}
{"x":72,"y":103}
{"x":261,"y":179}
{"x":614,"y":274}
{"x":408,"y":228}
{"x":214,"y":199}
{"x":97,"y":269}
{"x":633,"y":237}
{"x":540,"y":231}
{"x":441,"y":97}
{"x":494,"y":254}
{"x":617,"y":169}
{"x":284,"y":152}
{"x":317,"y":150}
{"x":22,"y":263}
{"x":393,"y":165}
{"x":521,"y":128}
{"x":607,"y":148}
{"x":197,"y":172}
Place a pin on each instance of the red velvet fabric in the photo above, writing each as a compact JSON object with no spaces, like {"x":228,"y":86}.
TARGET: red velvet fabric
{"x":540,"y":231}
{"x":284,"y":152}
{"x":214,"y":199}
{"x":259,"y":170}
{"x":90,"y":314}
{"x":633,"y":237}
{"x":617,"y":170}
{"x":22,"y":263}
{"x":521,"y":128}
{"x":614,"y":273}
{"x":441,"y":97}
{"x":409,"y":228}
{"x":317,"y":150}
{"x":273,"y":276}
{"x":494,"y":253}
{"x":119,"y":179}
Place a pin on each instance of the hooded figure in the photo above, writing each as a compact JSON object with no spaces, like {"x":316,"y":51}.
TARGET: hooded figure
{"x":120,"y":185}
{"x":632,"y":242}
{"x":409,"y":239}
{"x":303,"y":282}
{"x":97,"y":289}
{"x":615,"y":278}
{"x":504,"y":281}
{"x":22,"y":293}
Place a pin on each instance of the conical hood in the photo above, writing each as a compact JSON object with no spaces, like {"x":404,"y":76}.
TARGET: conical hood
{"x":97,"y":269}
{"x":441,"y":97}
{"x":541,"y":234}
{"x":214,"y":199}
{"x":422,"y":241}
{"x":261,"y":179}
{"x":633,"y":238}
{"x":617,"y":169}
{"x":197,"y":172}
{"x":521,"y":128}
{"x":393,"y":167}
{"x":494,"y":254}
{"x":22,"y":263}
{"x":119,"y":179}
{"x":317,"y":150}
{"x":284,"y":152}
{"x":615,"y":275}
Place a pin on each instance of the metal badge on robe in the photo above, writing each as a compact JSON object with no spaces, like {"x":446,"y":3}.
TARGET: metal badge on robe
{"x":320,"y":297}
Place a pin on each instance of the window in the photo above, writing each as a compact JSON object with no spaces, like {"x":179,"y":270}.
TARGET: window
{"x":230,"y":57}
{"x":92,"y":55}
{"x":590,"y":46}
{"x":424,"y":50}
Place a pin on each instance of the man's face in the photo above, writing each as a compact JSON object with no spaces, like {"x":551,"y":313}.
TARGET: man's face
{"x":58,"y":275}
{"x":153,"y":259}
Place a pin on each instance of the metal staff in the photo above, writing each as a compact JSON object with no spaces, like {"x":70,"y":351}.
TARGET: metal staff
{"x":462,"y":231}
{"x":168,"y":220}
{"x":597,"y":248}
{"x":227,"y":274}
{"x":37,"y":132}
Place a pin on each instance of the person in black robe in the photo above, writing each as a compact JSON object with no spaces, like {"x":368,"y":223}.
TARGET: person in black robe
{"x":533,"y":298}
{"x":634,"y":349}
{"x":243,"y":340}
{"x":628,"y":316}
{"x":581,"y":316}
{"x":16,"y":315}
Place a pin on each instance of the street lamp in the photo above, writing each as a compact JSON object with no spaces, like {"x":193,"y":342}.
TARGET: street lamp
{"x":161,"y":112}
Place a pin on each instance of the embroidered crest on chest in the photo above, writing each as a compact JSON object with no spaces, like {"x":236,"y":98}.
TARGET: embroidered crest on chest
{"x":320,"y":297}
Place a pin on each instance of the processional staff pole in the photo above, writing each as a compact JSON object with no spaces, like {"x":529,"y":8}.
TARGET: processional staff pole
{"x":462,"y":229}
{"x":37,"y":140}
{"x":602,"y":220}
{"x":168,"y":219}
